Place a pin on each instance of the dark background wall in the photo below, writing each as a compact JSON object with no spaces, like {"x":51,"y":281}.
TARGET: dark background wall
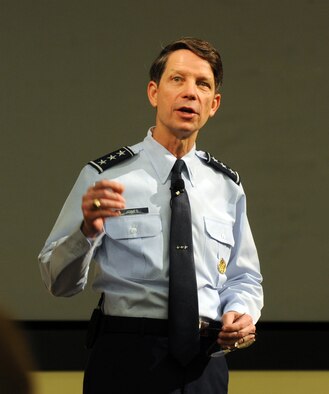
{"x":73,"y":77}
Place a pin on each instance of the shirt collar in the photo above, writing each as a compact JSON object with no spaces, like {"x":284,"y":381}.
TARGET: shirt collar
{"x":163,"y":161}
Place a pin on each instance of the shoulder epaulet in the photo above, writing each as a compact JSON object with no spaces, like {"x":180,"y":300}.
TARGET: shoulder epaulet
{"x":111,"y":159}
{"x":219,"y":166}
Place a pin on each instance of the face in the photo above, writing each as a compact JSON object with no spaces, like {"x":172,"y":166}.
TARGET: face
{"x":185,"y":97}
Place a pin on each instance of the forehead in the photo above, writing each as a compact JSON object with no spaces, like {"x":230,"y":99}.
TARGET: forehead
{"x":186,"y":61}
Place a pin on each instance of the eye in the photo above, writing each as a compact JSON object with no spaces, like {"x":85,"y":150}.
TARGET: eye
{"x":204,"y":84}
{"x":177,"y":78}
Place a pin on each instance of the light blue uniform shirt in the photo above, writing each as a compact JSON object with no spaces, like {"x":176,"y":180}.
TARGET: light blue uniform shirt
{"x":132,"y":255}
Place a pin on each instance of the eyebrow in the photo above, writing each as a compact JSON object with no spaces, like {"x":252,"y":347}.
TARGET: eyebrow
{"x":198,"y":76}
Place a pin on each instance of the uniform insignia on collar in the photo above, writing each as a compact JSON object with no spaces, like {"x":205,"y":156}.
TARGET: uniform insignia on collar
{"x":219,"y":166}
{"x":111,"y":159}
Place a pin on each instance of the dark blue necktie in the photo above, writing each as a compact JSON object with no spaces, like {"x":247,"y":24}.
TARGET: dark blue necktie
{"x":183,"y":314}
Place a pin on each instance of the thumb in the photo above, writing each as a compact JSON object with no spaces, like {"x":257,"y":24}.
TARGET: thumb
{"x":228,"y":318}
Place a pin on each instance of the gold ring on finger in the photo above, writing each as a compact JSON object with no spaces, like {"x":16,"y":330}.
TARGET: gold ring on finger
{"x":97,"y":204}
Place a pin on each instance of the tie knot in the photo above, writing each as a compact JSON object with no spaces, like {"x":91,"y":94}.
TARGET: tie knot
{"x":178,"y":167}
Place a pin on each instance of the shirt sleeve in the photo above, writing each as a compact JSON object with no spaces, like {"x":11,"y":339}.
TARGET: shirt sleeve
{"x":65,"y":258}
{"x":242,"y":291}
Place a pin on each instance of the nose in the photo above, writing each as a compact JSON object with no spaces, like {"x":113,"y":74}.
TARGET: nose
{"x":189,"y":90}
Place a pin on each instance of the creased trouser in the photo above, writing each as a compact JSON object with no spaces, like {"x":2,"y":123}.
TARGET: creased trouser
{"x":140,"y":364}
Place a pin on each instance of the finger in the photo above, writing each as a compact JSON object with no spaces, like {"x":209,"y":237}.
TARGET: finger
{"x":229,"y":338}
{"x":102,"y":199}
{"x":244,"y":341}
{"x":236,"y":335}
{"x":241,"y":322}
{"x":110,"y":195}
{"x":103,"y":194}
{"x":249,"y":338}
{"x":109,"y":184}
{"x":240,"y":332}
{"x":228,"y":318}
{"x":226,"y":343}
{"x":104,"y":206}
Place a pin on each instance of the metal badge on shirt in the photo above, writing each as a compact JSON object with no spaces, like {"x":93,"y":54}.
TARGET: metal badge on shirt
{"x":134,"y":211}
{"x":221,"y":266}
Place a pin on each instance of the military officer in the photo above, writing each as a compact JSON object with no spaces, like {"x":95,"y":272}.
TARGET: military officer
{"x":119,"y":214}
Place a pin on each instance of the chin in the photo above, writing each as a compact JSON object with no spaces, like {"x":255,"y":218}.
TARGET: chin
{"x":184,"y":133}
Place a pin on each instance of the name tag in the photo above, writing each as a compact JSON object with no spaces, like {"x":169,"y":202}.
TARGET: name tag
{"x":134,"y":211}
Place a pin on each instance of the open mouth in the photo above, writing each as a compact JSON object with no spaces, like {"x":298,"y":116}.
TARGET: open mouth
{"x":187,"y":110}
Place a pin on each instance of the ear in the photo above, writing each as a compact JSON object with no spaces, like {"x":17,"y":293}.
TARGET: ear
{"x":152,"y":93}
{"x":215,"y":104}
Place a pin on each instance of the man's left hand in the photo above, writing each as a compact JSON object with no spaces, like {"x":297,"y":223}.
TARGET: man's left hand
{"x":236,"y":328}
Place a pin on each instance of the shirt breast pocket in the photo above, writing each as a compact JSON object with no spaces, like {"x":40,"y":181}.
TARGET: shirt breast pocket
{"x":135,"y":245}
{"x":218,"y":246}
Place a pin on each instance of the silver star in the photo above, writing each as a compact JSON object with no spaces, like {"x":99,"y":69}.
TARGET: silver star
{"x":112,"y":157}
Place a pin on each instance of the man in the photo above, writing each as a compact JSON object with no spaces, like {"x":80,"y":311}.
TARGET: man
{"x":153,"y":256}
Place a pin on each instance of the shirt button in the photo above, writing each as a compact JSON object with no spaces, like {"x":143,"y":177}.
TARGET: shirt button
{"x":133,"y":230}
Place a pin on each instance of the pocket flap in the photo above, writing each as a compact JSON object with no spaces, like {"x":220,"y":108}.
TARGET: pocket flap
{"x":219,"y":230}
{"x":133,"y":226}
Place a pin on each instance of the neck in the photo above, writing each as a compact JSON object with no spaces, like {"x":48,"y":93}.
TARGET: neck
{"x":175,"y":144}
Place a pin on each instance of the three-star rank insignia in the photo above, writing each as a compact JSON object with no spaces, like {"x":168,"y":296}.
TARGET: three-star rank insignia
{"x":111,"y":159}
{"x":221,"y":266}
{"x":220,"y":166}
